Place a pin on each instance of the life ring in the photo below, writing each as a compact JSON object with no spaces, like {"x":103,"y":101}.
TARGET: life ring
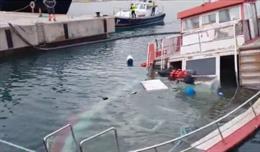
{"x":32,"y":4}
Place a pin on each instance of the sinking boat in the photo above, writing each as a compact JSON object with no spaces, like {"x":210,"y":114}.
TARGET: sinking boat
{"x":219,"y":39}
{"x":145,"y":15}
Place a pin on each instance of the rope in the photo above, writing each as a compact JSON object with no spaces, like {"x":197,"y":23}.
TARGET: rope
{"x":20,"y":9}
{"x":41,"y":47}
{"x":23,"y":8}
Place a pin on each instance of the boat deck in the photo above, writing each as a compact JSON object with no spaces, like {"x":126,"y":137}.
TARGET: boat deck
{"x":232,"y":133}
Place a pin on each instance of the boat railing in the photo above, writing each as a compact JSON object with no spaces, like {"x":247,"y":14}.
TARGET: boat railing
{"x":211,"y":39}
{"x":58,"y":138}
{"x":84,"y":142}
{"x":8,"y":146}
{"x":55,"y":139}
{"x":184,"y":142}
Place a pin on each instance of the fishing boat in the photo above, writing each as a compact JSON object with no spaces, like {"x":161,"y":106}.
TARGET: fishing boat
{"x":61,"y":7}
{"x":147,"y":13}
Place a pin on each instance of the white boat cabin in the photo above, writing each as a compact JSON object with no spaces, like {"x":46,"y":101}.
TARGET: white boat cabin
{"x":210,"y":37}
{"x":212,"y":23}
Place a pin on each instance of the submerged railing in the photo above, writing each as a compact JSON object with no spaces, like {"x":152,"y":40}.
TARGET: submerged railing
{"x":83,"y":142}
{"x":215,"y":125}
{"x":78,"y":147}
{"x":14,"y":146}
{"x":63,"y":131}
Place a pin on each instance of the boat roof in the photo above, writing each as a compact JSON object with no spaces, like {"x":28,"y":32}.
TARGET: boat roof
{"x":210,"y":6}
{"x":143,"y":1}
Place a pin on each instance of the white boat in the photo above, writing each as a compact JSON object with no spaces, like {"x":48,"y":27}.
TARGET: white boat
{"x":219,"y":39}
{"x":145,"y":15}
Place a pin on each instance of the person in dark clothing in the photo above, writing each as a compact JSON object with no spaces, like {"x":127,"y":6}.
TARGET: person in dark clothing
{"x":153,"y":8}
{"x":50,"y":5}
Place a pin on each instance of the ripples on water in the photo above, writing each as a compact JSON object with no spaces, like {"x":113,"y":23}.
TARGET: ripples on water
{"x":41,"y":92}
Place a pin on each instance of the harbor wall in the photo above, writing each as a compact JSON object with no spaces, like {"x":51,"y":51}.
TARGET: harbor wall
{"x":17,"y":36}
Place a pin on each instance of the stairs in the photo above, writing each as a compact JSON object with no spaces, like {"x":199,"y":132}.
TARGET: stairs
{"x":249,"y":67}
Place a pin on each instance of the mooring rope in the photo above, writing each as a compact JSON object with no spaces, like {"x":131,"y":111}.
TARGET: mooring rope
{"x":25,"y":7}
{"x":21,"y":9}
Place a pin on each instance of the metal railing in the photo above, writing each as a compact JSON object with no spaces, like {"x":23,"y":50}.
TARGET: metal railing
{"x":47,"y":137}
{"x":172,"y":45}
{"x":17,"y":147}
{"x":215,"y":123}
{"x":212,"y":35}
{"x":84,"y":141}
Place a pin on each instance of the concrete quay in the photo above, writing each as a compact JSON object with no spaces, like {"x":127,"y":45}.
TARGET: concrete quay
{"x":19,"y":31}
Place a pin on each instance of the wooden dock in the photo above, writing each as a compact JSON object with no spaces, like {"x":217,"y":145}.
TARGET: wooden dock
{"x":28,"y":30}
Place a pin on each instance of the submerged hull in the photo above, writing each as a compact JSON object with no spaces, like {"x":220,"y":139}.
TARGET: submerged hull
{"x":136,"y":22}
{"x":62,"y":6}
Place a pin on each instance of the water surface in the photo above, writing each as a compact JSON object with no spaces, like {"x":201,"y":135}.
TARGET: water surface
{"x":40,"y":92}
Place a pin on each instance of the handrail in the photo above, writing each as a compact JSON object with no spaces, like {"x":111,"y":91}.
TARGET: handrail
{"x":199,"y":129}
{"x":56,"y":132}
{"x":16,"y":146}
{"x":211,"y":28}
{"x":198,"y":33}
{"x":100,"y":134}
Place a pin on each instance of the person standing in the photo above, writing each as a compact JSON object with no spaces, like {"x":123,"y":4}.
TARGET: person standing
{"x":133,"y":8}
{"x":50,"y":5}
{"x":153,"y":8}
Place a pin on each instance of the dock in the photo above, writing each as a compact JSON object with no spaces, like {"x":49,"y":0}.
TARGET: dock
{"x":19,"y":31}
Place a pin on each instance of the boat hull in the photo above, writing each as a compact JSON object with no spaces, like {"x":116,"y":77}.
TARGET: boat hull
{"x":61,"y":7}
{"x":137,"y":22}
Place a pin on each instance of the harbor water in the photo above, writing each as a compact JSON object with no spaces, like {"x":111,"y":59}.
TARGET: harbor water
{"x":91,"y":88}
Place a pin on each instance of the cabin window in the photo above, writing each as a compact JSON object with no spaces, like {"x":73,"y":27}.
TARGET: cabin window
{"x":224,"y":16}
{"x":229,"y":14}
{"x":234,"y":13}
{"x":191,"y":23}
{"x":142,"y":6}
{"x":209,"y":19}
{"x":202,"y":66}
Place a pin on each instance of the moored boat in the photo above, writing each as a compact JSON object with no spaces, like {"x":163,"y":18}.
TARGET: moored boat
{"x":147,"y":13}
{"x":61,"y":7}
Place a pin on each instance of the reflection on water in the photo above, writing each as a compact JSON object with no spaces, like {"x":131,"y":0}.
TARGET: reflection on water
{"x":41,"y":92}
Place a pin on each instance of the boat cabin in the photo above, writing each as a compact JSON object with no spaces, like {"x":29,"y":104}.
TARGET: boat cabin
{"x":211,"y":35}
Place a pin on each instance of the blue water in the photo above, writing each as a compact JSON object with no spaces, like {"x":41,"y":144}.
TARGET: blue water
{"x":42,"y":91}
